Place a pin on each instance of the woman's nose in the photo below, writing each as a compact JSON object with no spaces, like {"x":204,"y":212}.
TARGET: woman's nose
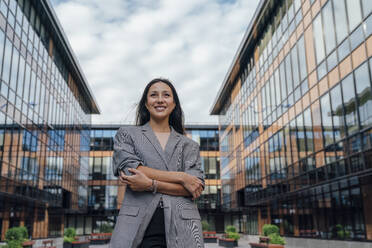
{"x":160,"y":99}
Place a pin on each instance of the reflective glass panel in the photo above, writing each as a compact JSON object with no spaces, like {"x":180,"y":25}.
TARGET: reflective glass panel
{"x":329,"y":33}
{"x":318,"y":39}
{"x":337,"y":113}
{"x":326,"y":120}
{"x":349,"y":104}
{"x":354,"y":13}
{"x":341,"y":20}
{"x":363,"y":89}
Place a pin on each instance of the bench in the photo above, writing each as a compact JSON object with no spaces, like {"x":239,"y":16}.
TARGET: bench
{"x":100,"y":238}
{"x":264,"y":240}
{"x":210,"y":237}
{"x":28,"y":244}
{"x":49,"y":243}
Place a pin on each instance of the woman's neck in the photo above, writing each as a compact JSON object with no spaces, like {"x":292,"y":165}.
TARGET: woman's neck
{"x":161,"y":126}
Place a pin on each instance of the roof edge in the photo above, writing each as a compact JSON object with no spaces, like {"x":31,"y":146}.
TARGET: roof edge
{"x":77,"y":71}
{"x":216,"y":106}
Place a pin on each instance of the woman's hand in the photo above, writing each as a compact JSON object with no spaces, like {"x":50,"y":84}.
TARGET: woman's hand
{"x":193,"y":184}
{"x":137,"y":182}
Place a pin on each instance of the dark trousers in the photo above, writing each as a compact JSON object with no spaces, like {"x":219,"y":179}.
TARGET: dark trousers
{"x":155,"y":232}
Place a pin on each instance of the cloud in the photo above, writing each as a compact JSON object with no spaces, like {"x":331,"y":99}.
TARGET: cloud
{"x":121,"y":45}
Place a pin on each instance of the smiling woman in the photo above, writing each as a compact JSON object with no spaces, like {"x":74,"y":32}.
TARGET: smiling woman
{"x":162,"y":170}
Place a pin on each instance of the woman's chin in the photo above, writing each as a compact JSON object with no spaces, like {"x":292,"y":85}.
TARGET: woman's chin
{"x":159,"y":117}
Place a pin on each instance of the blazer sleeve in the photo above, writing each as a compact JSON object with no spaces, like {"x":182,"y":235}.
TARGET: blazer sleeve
{"x":124,"y":156}
{"x":192,"y":161}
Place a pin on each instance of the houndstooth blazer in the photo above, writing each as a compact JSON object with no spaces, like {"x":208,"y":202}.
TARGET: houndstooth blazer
{"x":135,"y":145}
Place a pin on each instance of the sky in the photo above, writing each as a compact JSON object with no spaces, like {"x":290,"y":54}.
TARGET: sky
{"x":122,"y":44}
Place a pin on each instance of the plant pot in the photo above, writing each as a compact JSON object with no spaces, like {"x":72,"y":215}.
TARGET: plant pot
{"x":210,"y":239}
{"x":28,"y":244}
{"x":67,"y":245}
{"x":227,"y":242}
{"x":80,"y":244}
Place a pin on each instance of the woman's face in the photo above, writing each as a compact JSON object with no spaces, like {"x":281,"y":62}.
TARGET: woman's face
{"x":160,"y":102}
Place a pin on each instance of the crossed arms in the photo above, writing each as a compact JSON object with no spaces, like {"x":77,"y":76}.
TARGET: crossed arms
{"x":169,"y":182}
{"x":131,"y":170}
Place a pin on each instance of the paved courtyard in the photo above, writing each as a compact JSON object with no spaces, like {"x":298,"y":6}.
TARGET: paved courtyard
{"x":243,"y":242}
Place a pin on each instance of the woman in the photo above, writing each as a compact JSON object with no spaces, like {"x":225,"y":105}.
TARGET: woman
{"x":162,"y":170}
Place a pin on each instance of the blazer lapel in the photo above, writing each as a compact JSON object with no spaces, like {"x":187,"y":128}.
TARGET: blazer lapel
{"x":149,"y":134}
{"x":171,"y":145}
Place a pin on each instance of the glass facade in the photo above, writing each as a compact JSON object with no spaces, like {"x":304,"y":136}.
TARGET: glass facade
{"x":295,"y":126}
{"x":105,"y":192}
{"x":209,"y":203}
{"x":43,"y":110}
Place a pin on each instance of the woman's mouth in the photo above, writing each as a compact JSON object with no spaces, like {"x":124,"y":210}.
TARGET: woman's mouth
{"x":159,"y":108}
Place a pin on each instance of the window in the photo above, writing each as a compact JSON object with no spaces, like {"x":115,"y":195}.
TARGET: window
{"x":326,"y":120}
{"x":296,"y":76}
{"x":289,"y":74}
{"x":302,"y":57}
{"x":29,"y":142}
{"x":354,"y":13}
{"x":367,"y":7}
{"x":7,"y":60}
{"x":318,"y":39}
{"x":329,"y":33}
{"x":350,"y":104}
{"x":337,"y":113}
{"x":301,"y":138}
{"x":30,"y":169}
{"x":363,"y":90}
{"x":309,"y":130}
{"x":340,"y":20}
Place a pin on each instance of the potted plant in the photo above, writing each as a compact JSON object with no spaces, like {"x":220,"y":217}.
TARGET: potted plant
{"x":230,"y":238}
{"x":69,"y":237}
{"x":205,"y":226}
{"x":16,"y":237}
{"x":341,"y":232}
{"x":208,"y":235}
{"x":106,"y":228}
{"x":271,"y":239}
{"x":71,"y":241}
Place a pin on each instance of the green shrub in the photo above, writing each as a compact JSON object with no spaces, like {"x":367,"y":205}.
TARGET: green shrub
{"x":341,"y":232}
{"x":276,"y":239}
{"x":15,"y":236}
{"x":13,"y":233}
{"x":70,"y":232}
{"x":68,"y":239}
{"x":233,"y":235}
{"x":69,"y":235}
{"x":269,"y":229}
{"x":14,"y":244}
{"x":205,"y":225}
{"x":106,"y":228}
{"x":24,"y":232}
{"x":231,"y":229}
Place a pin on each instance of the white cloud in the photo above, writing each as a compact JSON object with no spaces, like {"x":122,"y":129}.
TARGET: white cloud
{"x":121,"y":45}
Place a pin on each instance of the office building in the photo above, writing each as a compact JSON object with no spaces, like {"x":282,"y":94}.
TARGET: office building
{"x":45,"y":109}
{"x":295,"y":121}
